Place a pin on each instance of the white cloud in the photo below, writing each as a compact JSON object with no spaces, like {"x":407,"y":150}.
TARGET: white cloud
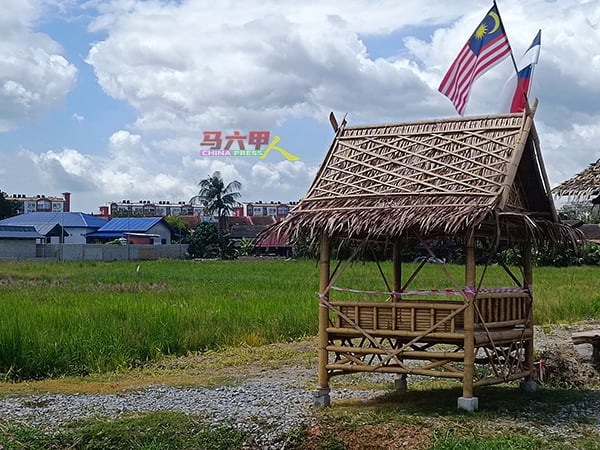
{"x":273,"y":60}
{"x":280,"y":181}
{"x":34,"y":76}
{"x":569,"y":151}
{"x":71,"y":161}
{"x":266,"y":61}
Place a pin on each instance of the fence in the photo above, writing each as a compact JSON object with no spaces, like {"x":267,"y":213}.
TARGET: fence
{"x":102,"y":252}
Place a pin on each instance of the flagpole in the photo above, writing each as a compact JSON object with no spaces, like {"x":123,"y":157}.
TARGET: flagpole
{"x":533,"y":69}
{"x":512,"y":56}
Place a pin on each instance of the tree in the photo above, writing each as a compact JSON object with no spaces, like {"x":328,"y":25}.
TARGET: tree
{"x":8,"y":208}
{"x":180,"y":225}
{"x":218,"y":200}
{"x":204,"y":241}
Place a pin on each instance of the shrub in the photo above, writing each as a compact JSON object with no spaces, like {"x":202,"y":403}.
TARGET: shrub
{"x":204,"y":241}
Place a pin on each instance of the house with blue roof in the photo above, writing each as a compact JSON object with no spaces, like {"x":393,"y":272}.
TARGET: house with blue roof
{"x":134,"y":230}
{"x":18,"y":241}
{"x":59,"y":227}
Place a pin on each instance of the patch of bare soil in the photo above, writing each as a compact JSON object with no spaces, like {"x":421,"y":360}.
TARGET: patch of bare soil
{"x":562,"y":364}
{"x":373,"y":437}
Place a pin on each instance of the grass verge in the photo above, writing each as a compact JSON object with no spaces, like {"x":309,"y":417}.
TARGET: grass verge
{"x":152,"y":431}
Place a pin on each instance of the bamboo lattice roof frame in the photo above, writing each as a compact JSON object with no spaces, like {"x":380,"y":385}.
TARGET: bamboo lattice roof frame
{"x":432,"y":178}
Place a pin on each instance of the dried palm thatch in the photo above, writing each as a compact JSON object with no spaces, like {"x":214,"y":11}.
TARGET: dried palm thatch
{"x":430,"y":178}
{"x":584,"y":185}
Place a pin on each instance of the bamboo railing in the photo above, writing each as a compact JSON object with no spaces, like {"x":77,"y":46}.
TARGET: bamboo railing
{"x":383,"y":336}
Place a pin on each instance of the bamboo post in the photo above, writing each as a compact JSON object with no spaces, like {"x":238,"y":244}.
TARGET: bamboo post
{"x":401,"y":382}
{"x":397,"y":268}
{"x":322,"y":395}
{"x":467,"y":401}
{"x":528,"y":284}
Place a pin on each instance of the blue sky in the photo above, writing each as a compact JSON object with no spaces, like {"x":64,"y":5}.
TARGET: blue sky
{"x":109,"y":99}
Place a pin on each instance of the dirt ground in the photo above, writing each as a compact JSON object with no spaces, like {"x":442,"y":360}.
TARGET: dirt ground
{"x":565,"y":364}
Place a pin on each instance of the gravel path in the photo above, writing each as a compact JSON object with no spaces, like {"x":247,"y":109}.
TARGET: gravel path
{"x":266,"y":410}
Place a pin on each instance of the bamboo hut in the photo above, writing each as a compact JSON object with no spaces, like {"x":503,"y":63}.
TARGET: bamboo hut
{"x":472,"y":181}
{"x":585,"y":186}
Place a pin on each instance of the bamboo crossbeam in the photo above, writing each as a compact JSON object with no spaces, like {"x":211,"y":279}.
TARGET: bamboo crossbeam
{"x":428,"y":127}
{"x":409,"y":354}
{"x":504,"y":324}
{"x":394,"y":369}
{"x":498,"y":380}
{"x":449,"y":276}
{"x":345,"y":332}
{"x":434,"y":364}
{"x":503,"y":336}
{"x":444,"y":305}
{"x":494,"y":295}
{"x":350,"y":359}
{"x":401,"y":194}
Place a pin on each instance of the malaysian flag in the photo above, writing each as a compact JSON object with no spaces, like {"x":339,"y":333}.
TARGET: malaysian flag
{"x":485,"y":48}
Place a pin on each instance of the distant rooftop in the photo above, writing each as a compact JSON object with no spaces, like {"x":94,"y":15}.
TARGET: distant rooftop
{"x":65,"y":219}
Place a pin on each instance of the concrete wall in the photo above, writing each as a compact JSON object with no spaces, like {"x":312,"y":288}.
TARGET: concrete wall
{"x":101,"y":252}
{"x":17,"y":248}
{"x":162,"y":230}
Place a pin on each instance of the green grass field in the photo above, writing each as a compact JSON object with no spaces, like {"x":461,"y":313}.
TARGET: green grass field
{"x":79,"y":318}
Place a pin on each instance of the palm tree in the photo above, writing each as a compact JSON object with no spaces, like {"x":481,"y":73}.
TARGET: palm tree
{"x":218,"y":199}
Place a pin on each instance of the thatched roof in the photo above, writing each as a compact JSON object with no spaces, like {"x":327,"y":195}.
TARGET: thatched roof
{"x":432,"y":178}
{"x":585,"y":185}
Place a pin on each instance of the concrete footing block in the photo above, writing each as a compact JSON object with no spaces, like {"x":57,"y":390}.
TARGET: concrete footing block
{"x":321,"y":397}
{"x":470,"y":404}
{"x":529,"y":386}
{"x":401,"y":383}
